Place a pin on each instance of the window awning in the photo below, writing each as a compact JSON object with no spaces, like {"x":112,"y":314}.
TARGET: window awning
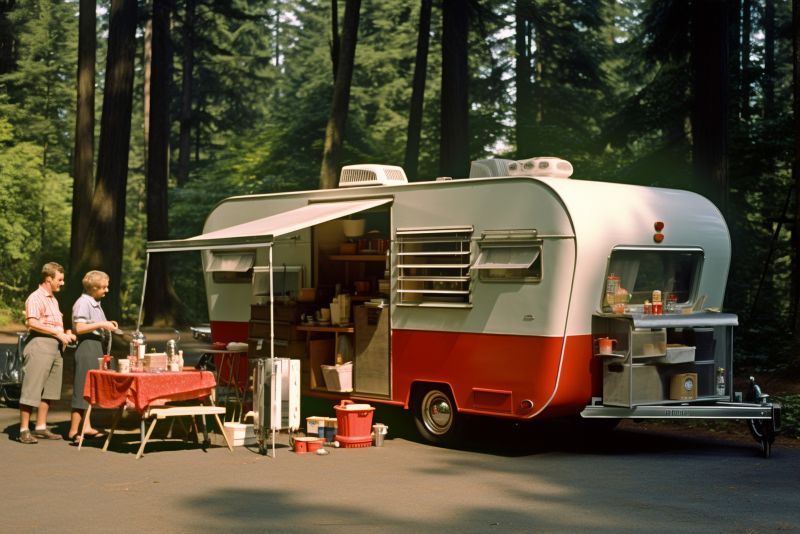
{"x":238,"y":262}
{"x":262,"y":232}
{"x":506,"y":257}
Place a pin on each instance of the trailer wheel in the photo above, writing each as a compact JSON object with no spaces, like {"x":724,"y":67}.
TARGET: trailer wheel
{"x":763,"y":432}
{"x":435,"y":415}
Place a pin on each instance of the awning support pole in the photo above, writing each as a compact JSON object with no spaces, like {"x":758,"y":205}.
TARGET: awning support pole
{"x":144,"y":288}
{"x":271,"y":310}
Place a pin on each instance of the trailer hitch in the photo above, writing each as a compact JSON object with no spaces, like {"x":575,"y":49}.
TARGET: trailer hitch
{"x":763,"y":430}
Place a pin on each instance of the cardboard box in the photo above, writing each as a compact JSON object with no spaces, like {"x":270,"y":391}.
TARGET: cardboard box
{"x":155,"y":361}
{"x":338,"y":377}
{"x":259,"y":348}
{"x":313,"y":424}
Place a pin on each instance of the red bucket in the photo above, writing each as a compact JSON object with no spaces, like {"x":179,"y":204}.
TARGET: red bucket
{"x":354,"y":424}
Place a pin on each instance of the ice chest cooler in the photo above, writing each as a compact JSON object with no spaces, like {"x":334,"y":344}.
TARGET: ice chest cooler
{"x":240,"y":434}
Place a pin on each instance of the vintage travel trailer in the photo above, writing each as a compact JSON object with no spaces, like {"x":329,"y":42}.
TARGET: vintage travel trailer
{"x":517,"y":293}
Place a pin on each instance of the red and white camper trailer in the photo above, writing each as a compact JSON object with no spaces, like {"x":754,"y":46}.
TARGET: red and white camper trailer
{"x":486,"y":295}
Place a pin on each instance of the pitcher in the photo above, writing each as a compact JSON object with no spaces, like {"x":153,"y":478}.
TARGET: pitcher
{"x":605,"y":345}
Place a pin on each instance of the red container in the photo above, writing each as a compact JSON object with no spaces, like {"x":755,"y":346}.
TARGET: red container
{"x":354,"y":424}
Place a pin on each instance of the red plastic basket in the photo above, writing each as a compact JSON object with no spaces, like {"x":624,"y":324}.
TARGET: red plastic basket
{"x":346,"y":443}
{"x":353,"y":426}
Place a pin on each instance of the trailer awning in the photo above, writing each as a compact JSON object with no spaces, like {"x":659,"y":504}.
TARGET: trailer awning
{"x":262,"y":232}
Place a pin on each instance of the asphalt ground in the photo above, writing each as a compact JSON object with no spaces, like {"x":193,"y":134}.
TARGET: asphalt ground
{"x":503,"y":477}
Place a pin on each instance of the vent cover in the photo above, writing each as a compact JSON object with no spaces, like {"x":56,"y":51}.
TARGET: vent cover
{"x":543,"y":166}
{"x":358,"y":175}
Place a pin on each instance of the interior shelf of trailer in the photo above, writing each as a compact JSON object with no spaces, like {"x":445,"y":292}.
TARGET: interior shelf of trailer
{"x":665,"y":359}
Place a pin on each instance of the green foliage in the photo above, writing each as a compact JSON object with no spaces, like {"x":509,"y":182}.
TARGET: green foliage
{"x":34,"y":218}
{"x":790,"y":415}
{"x":37,"y":99}
{"x":612,"y":91}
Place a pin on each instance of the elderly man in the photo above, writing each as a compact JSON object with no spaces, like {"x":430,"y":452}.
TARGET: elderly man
{"x":41,"y":358}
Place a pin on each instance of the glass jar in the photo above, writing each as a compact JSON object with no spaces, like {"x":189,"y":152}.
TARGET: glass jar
{"x":137,"y":349}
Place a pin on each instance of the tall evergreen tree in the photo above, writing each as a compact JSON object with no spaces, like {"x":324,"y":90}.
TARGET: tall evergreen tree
{"x":187,"y":70}
{"x":83,"y":177}
{"x":414,"y":130}
{"x":334,"y":133}
{"x":454,"y":140}
{"x":710,"y":99}
{"x":104,"y":244}
{"x":160,"y":301}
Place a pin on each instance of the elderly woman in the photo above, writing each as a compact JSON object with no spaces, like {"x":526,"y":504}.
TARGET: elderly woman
{"x":93,"y":329}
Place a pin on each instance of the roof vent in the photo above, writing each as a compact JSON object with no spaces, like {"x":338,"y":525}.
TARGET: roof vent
{"x":358,"y":175}
{"x":543,"y":166}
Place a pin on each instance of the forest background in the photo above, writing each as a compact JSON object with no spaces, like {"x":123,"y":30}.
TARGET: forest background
{"x":203,"y":99}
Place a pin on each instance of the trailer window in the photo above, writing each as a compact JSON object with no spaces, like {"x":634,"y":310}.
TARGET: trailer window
{"x":671,"y":271}
{"x":509,"y":256}
{"x":231,"y":267}
{"x":433,"y":265}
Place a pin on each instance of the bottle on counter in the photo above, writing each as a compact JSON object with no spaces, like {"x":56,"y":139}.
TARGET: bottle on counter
{"x":671,"y":306}
{"x":658,"y":308}
{"x":137,"y":349}
{"x":720,"y":381}
{"x":612,"y":286}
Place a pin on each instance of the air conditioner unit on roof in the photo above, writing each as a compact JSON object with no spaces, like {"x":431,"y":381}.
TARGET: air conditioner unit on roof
{"x":542,"y":166}
{"x":358,"y":175}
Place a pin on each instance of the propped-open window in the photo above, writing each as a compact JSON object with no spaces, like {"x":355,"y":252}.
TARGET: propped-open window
{"x":509,"y":256}
{"x":433,"y":265}
{"x":670,"y":270}
{"x":231,"y":267}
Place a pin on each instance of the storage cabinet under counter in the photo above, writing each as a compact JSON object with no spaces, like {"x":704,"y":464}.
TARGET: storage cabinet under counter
{"x":665,"y":359}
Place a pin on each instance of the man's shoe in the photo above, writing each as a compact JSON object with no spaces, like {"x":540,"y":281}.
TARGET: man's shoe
{"x":45,"y":434}
{"x":25,"y":437}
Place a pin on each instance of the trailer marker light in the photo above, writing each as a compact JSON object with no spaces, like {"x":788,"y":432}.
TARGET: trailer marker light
{"x":658,"y":238}
{"x":526,"y":404}
{"x":659,"y":225}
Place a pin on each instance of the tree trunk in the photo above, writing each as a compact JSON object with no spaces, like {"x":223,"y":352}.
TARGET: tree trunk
{"x":8,"y":41}
{"x":161,"y":306}
{"x":147,"y":65}
{"x":104,"y":241}
{"x":414,"y":132}
{"x":710,"y":99}
{"x":83,"y":179}
{"x":185,"y":139}
{"x":335,"y":37}
{"x":769,"y":59}
{"x":334,"y":132}
{"x":454,"y":142}
{"x":747,"y":29}
{"x":524,"y":111}
{"x":796,"y":176}
{"x":735,"y":51}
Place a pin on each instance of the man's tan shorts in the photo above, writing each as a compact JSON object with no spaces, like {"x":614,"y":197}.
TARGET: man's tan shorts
{"x":43,"y":367}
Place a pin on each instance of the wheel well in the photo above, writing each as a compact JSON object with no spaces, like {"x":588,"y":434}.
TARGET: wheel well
{"x":418,"y":387}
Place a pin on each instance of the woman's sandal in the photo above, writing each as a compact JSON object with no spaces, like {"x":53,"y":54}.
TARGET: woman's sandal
{"x":96,"y":435}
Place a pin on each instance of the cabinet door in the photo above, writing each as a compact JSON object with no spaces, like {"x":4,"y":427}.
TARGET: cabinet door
{"x":371,"y":365}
